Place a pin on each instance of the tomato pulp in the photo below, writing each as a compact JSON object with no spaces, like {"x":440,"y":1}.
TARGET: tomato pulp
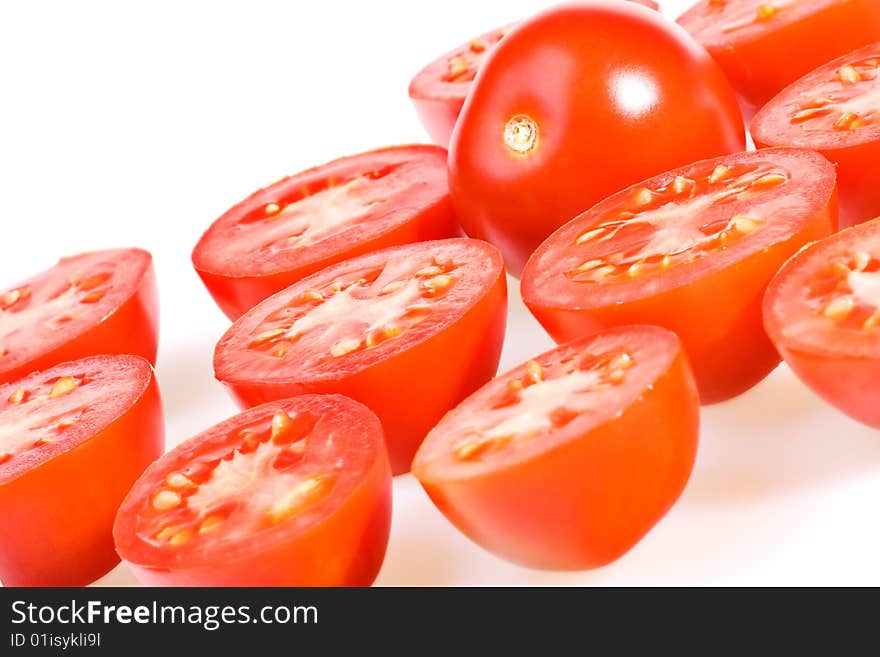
{"x":321,"y":216}
{"x":292,"y":493}
{"x":408,"y":331}
{"x":73,"y":439}
{"x":834,"y":110}
{"x":630,"y":95}
{"x":691,"y":250}
{"x":103,"y":302}
{"x":568,"y":460}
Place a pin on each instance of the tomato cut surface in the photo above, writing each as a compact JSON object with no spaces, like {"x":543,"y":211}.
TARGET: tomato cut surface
{"x":835,"y":110}
{"x":691,"y":250}
{"x":321,"y":216}
{"x":822,"y":311}
{"x":292,"y":493}
{"x":569,"y":459}
{"x":765,"y":45}
{"x":93,"y":303}
{"x":73,"y":439}
{"x":409,"y":331}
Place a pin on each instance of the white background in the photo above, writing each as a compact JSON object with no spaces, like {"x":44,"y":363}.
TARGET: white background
{"x":125,"y":124}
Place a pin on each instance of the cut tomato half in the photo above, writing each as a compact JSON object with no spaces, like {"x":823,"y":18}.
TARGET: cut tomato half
{"x":409,"y":331}
{"x":103,"y":302}
{"x":568,"y":460}
{"x":836,"y":111}
{"x":322,"y":216}
{"x":73,"y":439}
{"x":292,"y":493}
{"x":691,"y":250}
{"x":822,"y":311}
{"x":765,"y":45}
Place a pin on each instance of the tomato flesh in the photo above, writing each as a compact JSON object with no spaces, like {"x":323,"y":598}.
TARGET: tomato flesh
{"x":836,"y":111}
{"x":73,"y":439}
{"x":292,"y":493}
{"x":822,"y":311}
{"x":691,"y":250}
{"x":765,"y":45}
{"x":568,"y":460}
{"x":408,"y":331}
{"x":322,"y":216}
{"x":103,"y":302}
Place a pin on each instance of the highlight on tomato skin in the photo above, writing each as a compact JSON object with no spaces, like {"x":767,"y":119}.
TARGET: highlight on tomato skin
{"x":100,"y":302}
{"x":568,"y":460}
{"x":323,"y":215}
{"x":408,"y":331}
{"x":73,"y":439}
{"x":834,"y":110}
{"x":822,"y":311}
{"x":691,"y":250}
{"x":296,"y":492}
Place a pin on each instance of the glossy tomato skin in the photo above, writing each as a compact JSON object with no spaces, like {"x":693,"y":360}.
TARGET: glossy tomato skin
{"x":424,"y":213}
{"x":631,"y":95}
{"x":438,"y":100}
{"x":589,"y":500}
{"x":131,"y":328}
{"x":717,"y":315}
{"x":346,"y":547}
{"x":411,"y":390}
{"x":57,"y":517}
{"x":762,"y":59}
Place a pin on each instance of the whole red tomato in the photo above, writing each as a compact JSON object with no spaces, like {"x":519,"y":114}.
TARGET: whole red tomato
{"x":575,"y":104}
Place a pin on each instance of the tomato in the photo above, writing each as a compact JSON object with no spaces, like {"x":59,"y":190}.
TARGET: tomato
{"x":630,"y":95}
{"x":409,"y":331}
{"x":568,"y":460}
{"x":322,"y":216}
{"x":765,"y":45}
{"x":834,"y":110}
{"x":73,"y":439}
{"x":691,"y":250}
{"x":822,"y":311}
{"x":103,"y":302}
{"x":292,"y":493}
{"x":438,"y":90}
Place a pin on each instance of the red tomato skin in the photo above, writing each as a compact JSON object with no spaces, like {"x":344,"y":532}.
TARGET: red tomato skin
{"x":587,"y":146}
{"x":133,"y":328}
{"x":432,"y":377}
{"x":60,"y":514}
{"x":621,"y":480}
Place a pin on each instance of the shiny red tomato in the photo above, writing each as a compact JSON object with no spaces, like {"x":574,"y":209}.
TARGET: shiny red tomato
{"x":438,"y":90}
{"x":103,"y":302}
{"x":292,"y":493}
{"x":822,"y":312}
{"x":73,"y":439}
{"x":409,"y":331}
{"x":567,"y":461}
{"x":321,"y":216}
{"x":691,"y":250}
{"x":834,"y":110}
{"x":764,"y":45}
{"x":575,"y":104}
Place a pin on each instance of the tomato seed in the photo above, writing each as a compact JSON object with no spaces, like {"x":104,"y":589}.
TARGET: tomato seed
{"x":681,"y":184}
{"x":642,"y":197}
{"x":63,"y":386}
{"x":847,"y":121}
{"x":178,"y":480}
{"x":295,"y":499}
{"x":394,"y":286}
{"x":719,"y":173}
{"x":770,"y":180}
{"x":766,"y":11}
{"x":18,"y":396}
{"x":622,"y":362}
{"x":872,"y":322}
{"x":166,"y":499}
{"x":478,"y":45}
{"x":269,"y":335}
{"x":281,"y":424}
{"x":839,"y":308}
{"x":92,"y":297}
{"x":93,"y":281}
{"x":345,"y":346}
{"x":534,"y":371}
{"x":428,"y":272}
{"x":271,"y":209}
{"x":744,"y":224}
{"x":181,"y":537}
{"x":312,"y":295}
{"x":590,"y":234}
{"x":848,"y":74}
{"x":861,"y":259}
{"x":438,"y":283}
{"x":5,"y":456}
{"x":210,"y":523}
{"x":470,"y":447}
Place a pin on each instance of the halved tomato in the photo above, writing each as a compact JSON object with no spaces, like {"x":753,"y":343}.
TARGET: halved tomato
{"x":691,"y":250}
{"x":409,"y":331}
{"x":103,"y":302}
{"x":73,"y":439}
{"x":568,"y":460}
{"x":322,"y":216}
{"x":836,"y":111}
{"x":292,"y":493}
{"x":822,"y":311}
{"x":438,"y":90}
{"x":764,"y":45}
